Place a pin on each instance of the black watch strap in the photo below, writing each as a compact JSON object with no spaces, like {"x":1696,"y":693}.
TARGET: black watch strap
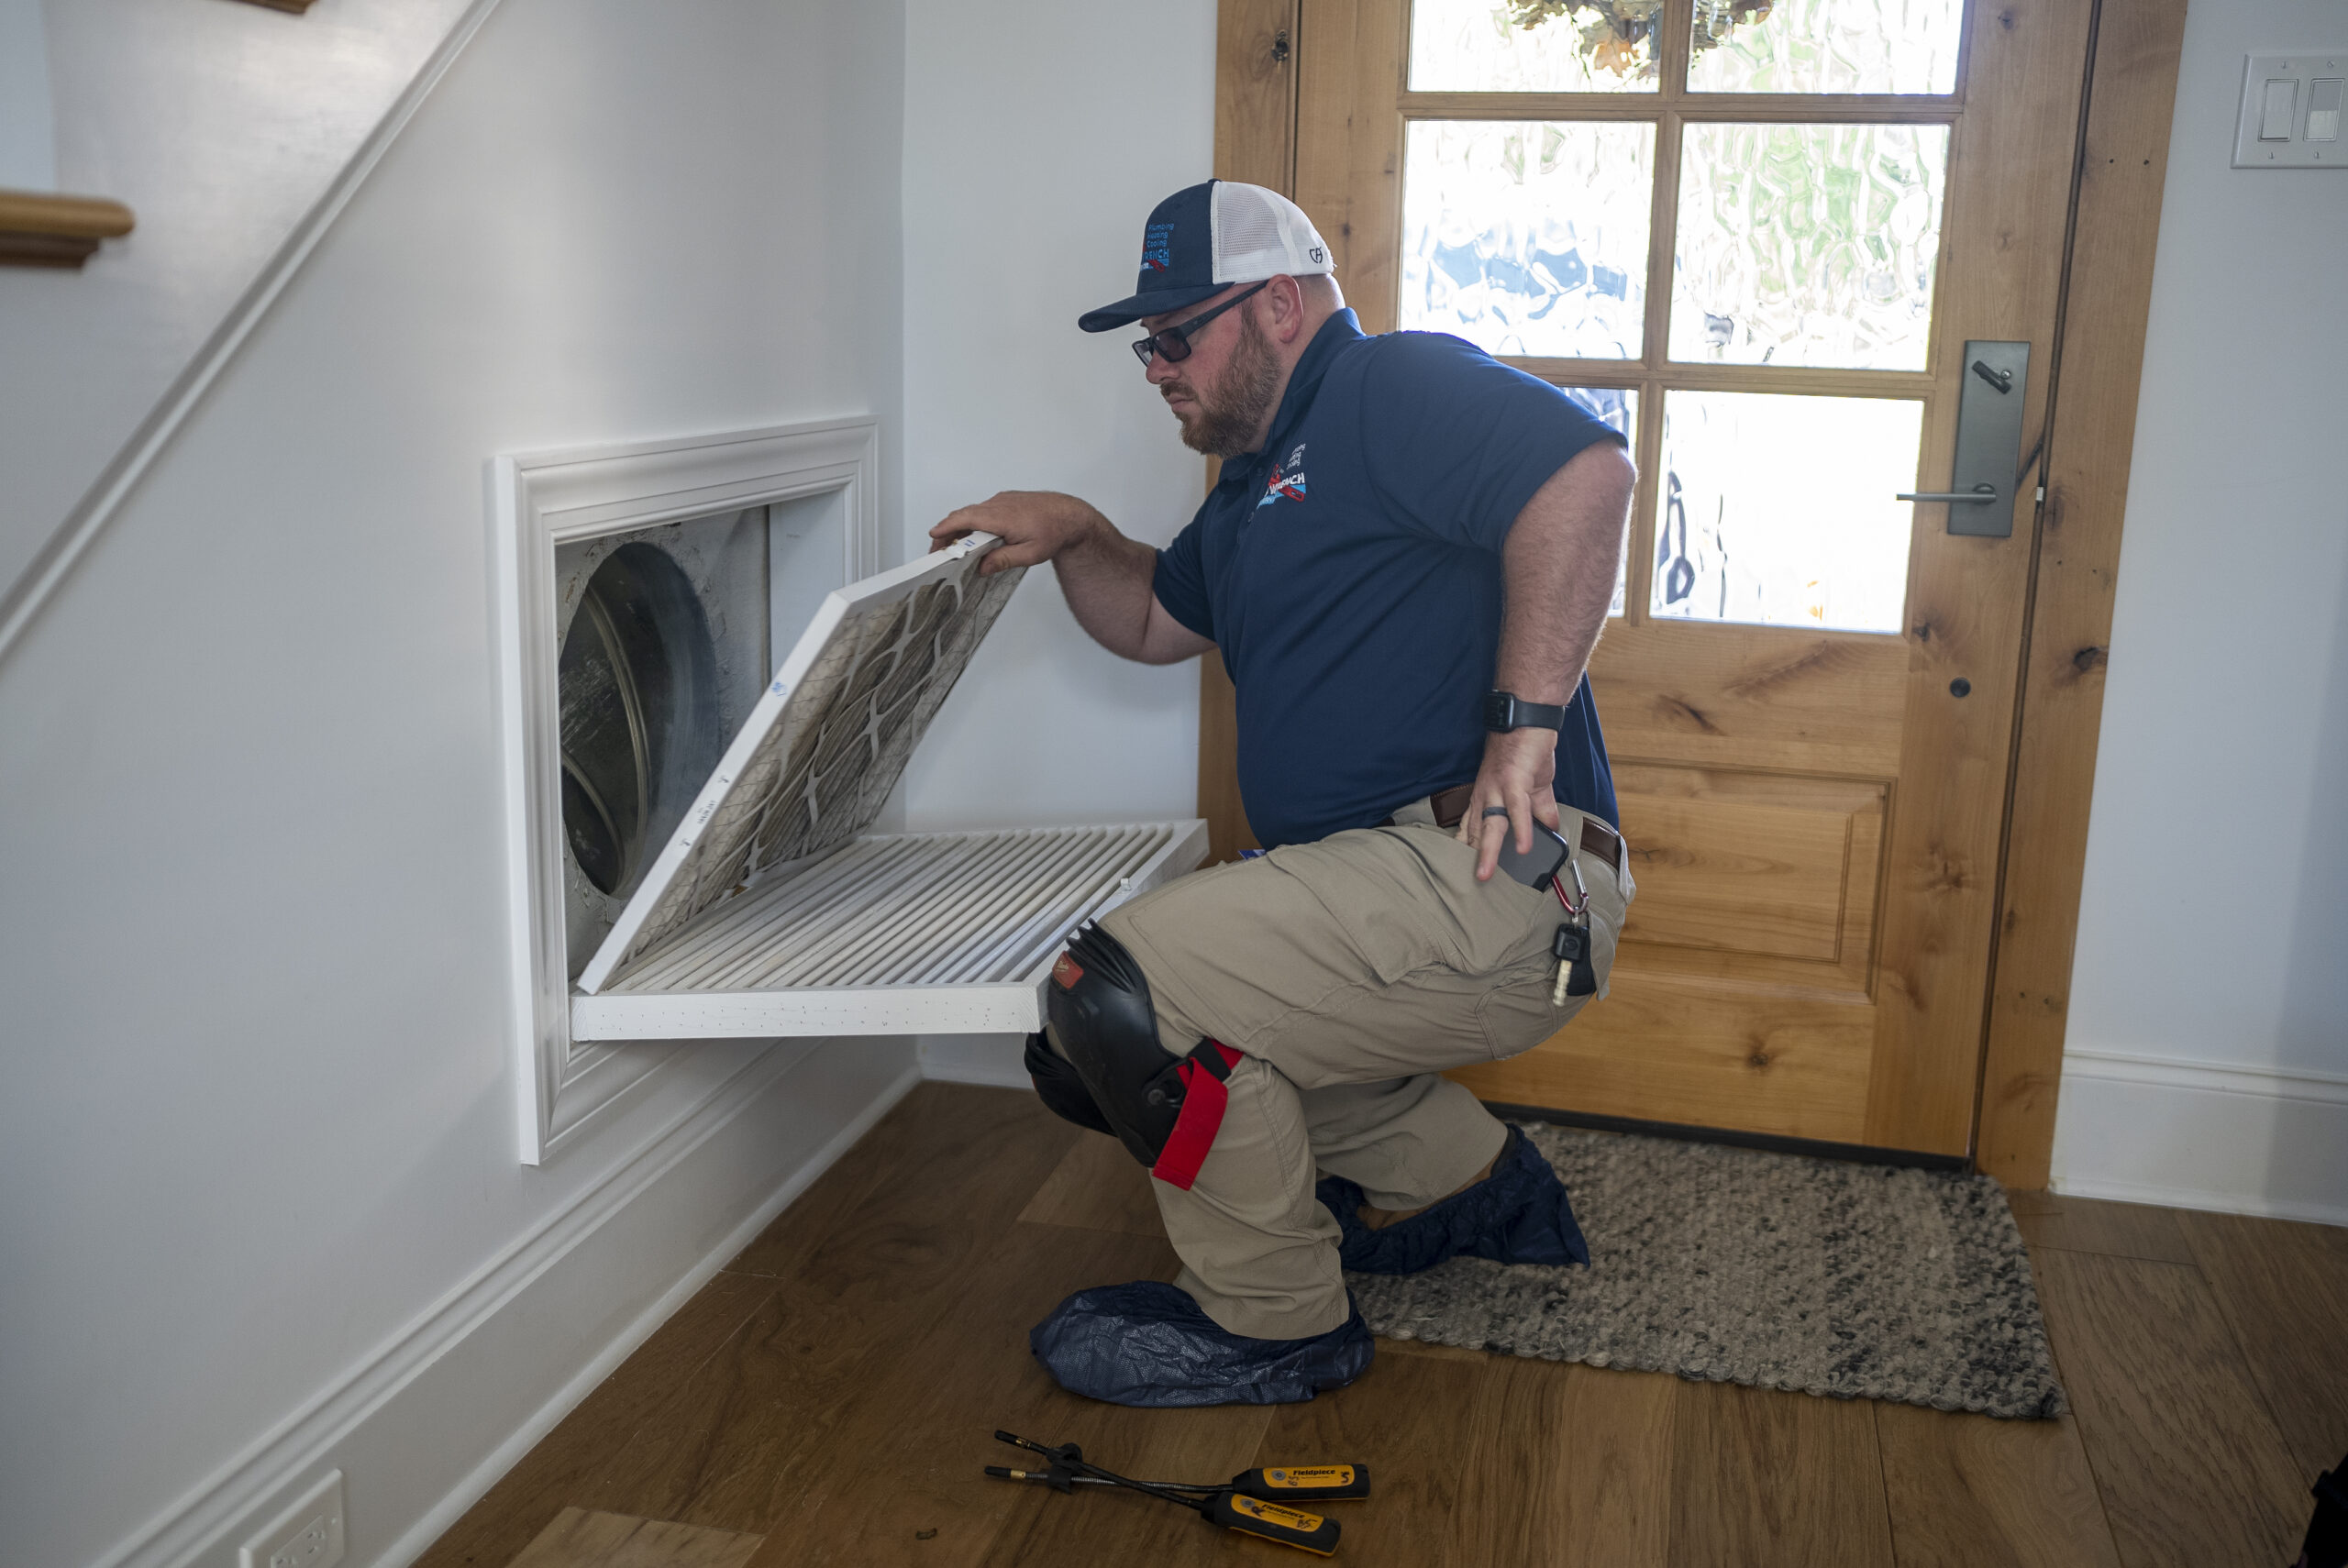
{"x":1505,"y":710}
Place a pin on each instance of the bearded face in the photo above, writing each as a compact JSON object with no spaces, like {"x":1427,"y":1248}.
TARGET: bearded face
{"x":1227,"y":411}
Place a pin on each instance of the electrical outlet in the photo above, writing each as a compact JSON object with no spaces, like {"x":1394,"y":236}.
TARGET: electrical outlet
{"x":307,"y":1534}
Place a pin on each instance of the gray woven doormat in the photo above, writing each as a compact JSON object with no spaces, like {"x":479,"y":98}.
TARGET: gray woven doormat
{"x":1777,"y":1270}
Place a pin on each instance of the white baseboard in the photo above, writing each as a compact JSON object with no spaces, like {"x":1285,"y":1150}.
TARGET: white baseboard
{"x":486,"y":1474}
{"x":2219,"y":1136}
{"x":427,"y":1423}
{"x":992,"y":1060}
{"x":2257,"y":1207}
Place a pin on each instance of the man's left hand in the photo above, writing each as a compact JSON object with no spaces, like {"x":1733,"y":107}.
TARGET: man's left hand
{"x":1519,"y":767}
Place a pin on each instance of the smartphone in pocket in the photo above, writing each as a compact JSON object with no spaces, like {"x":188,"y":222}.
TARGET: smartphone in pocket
{"x":1547,"y":857}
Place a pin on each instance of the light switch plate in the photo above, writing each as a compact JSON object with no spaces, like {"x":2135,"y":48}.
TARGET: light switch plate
{"x":2289,"y":104}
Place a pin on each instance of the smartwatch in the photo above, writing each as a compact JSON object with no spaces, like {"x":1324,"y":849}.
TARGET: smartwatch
{"x":1505,"y":710}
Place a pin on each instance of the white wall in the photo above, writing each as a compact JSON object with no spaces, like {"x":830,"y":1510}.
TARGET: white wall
{"x":2212,"y":1069}
{"x":260,"y":1207}
{"x":28,"y":129}
{"x":1037,"y":137}
{"x":219,"y":125}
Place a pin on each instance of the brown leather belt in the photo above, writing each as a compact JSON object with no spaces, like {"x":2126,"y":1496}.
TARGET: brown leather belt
{"x":1598,"y":840}
{"x":1601,"y":843}
{"x":1450,"y":805}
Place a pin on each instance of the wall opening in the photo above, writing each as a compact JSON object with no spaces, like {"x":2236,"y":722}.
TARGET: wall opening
{"x":639,"y":684}
{"x":665,"y":646}
{"x":645,"y":590}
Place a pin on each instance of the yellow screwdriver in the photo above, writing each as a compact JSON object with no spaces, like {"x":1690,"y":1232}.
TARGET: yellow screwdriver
{"x":1239,"y":1503}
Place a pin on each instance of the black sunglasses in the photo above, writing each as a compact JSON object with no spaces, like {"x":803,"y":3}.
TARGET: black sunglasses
{"x":1174,"y":342}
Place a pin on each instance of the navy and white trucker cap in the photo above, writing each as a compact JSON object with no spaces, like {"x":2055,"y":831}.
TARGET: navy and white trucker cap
{"x":1203,"y":238}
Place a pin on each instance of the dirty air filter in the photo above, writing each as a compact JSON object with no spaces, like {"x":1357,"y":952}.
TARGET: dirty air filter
{"x":772,"y":911}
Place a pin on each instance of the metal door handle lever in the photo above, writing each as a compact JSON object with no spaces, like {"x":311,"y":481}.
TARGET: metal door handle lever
{"x":1980,"y":495}
{"x":1985,"y":468}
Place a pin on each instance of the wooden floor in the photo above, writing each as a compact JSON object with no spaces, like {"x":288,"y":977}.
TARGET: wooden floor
{"x":835,"y":1389}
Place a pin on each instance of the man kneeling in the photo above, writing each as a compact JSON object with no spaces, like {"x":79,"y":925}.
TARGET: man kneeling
{"x":1405,"y":564}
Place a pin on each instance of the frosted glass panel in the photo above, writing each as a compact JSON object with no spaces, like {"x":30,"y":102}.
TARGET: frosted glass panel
{"x":1826,"y":45}
{"x":1478,"y":45}
{"x":1778,"y":510}
{"x":1808,"y":244}
{"x":1618,"y":409}
{"x":1526,"y":236}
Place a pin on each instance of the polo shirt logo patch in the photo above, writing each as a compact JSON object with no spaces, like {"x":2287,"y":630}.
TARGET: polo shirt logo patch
{"x":1288,"y":480}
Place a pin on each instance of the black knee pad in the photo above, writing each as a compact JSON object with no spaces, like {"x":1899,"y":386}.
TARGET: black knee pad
{"x":1098,"y":1005}
{"x":1062,"y":1092}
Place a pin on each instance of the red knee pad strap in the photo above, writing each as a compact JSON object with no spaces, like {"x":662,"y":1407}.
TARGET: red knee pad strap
{"x":1203,"y":1100}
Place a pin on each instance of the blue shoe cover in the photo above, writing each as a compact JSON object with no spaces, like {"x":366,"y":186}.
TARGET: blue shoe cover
{"x":1518,"y":1215}
{"x":1148,"y":1343}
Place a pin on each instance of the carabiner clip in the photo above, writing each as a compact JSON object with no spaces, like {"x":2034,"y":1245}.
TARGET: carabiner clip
{"x":1572,"y":908}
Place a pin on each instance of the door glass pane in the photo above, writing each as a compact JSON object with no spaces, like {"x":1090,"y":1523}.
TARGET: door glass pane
{"x":1826,"y":45}
{"x":1528,"y":236}
{"x":1533,"y":46}
{"x":1808,"y":244}
{"x":1618,"y":409}
{"x":1778,"y":510}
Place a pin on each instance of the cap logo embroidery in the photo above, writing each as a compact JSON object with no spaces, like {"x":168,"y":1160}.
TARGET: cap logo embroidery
{"x":1156,"y":247}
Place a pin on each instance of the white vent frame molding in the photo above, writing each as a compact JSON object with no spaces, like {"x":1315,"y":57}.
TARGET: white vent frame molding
{"x":539,"y":501}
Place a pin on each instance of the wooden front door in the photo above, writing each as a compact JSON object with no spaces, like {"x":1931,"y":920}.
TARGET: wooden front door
{"x":1757,"y":239}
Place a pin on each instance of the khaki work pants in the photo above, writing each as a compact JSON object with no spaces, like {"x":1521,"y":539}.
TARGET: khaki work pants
{"x":1351,"y":971}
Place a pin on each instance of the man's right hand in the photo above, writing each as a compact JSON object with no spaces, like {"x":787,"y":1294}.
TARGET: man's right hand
{"x":1105,"y":575}
{"x":1034,"y":526}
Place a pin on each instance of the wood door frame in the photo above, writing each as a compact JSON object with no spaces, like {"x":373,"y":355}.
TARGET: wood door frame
{"x":2123,"y":152}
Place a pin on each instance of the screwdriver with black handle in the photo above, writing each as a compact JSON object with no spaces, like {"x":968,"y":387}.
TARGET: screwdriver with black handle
{"x":1284,"y":1484}
{"x":1240,"y":1504}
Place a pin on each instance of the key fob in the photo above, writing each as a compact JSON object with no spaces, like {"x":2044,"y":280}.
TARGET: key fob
{"x":1571,"y":946}
{"x":1583,"y":981}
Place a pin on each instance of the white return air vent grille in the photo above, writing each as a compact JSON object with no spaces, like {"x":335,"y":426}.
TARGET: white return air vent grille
{"x":891,"y":934}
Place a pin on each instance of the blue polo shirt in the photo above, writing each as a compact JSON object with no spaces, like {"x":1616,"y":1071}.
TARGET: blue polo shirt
{"x":1350,"y":574}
